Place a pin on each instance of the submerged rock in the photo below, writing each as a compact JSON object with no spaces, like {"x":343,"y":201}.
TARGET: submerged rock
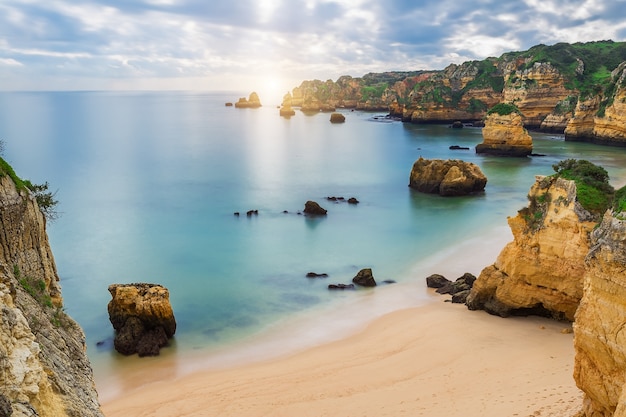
{"x":142,"y":317}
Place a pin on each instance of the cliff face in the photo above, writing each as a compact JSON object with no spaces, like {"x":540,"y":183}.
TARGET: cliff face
{"x":602,"y":118}
{"x":45,"y":368}
{"x":560,"y":88}
{"x":541,"y":271}
{"x":599,"y":339}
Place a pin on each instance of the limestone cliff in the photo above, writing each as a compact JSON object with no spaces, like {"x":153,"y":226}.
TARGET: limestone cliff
{"x":575,"y":86}
{"x":505,"y":135}
{"x":541,"y":270}
{"x":599,"y":337}
{"x":45,"y":370}
{"x":602,"y":118}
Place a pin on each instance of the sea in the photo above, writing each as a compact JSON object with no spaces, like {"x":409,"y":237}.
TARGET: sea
{"x":148,"y":185}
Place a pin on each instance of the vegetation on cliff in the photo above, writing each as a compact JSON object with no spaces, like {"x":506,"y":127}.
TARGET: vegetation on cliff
{"x":504,"y":109}
{"x":45,"y":199}
{"x":593,"y":190}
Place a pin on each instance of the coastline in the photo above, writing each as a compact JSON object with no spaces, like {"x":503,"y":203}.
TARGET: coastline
{"x":412,"y":354}
{"x":435,"y":360}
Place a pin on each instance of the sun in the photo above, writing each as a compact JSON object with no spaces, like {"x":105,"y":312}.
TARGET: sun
{"x":272,"y":88}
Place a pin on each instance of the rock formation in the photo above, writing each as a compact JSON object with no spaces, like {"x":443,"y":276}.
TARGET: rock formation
{"x":142,"y":317}
{"x":45,"y":369}
{"x":599,"y":339}
{"x":602,"y":119}
{"x":337,"y":118}
{"x":553,"y":87}
{"x":314,"y":209}
{"x":252,"y":102}
{"x":504,"y":135}
{"x":540,"y":272}
{"x":446,"y":177}
{"x":365,"y":278}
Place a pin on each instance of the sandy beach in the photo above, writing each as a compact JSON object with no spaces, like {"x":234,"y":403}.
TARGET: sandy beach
{"x":435,"y":360}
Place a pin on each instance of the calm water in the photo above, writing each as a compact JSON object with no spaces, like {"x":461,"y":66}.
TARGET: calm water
{"x":148,"y":183}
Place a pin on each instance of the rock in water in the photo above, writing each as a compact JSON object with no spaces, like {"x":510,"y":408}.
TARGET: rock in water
{"x":504,"y":135}
{"x":447,"y":177}
{"x":365,"y":278}
{"x":337,"y":118}
{"x":142,"y":317}
{"x":312,"y":208}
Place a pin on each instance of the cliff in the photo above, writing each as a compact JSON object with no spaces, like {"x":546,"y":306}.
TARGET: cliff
{"x":573,"y":88}
{"x":45,"y":367}
{"x":541,"y":270}
{"x":599,"y":339}
{"x":602,"y":118}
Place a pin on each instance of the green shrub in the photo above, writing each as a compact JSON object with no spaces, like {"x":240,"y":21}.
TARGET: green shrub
{"x":504,"y":108}
{"x":593,"y":190}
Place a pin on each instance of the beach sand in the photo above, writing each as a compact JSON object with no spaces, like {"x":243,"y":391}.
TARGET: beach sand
{"x":438,"y":359}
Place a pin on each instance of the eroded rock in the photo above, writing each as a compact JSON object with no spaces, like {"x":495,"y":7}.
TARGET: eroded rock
{"x":447,"y":177}
{"x":142,"y":317}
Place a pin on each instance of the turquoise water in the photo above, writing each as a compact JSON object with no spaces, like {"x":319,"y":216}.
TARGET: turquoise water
{"x":148,"y":184}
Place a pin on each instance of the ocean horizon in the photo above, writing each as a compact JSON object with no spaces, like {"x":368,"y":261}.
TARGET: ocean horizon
{"x":148,"y":184}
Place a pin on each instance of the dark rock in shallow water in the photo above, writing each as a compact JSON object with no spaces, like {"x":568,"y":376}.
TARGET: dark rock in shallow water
{"x":316,"y":275}
{"x":457,"y":125}
{"x":437,"y":281}
{"x":353,"y":200}
{"x":312,"y":208}
{"x":365,"y":278}
{"x":460,"y":297}
{"x":457,"y":147}
{"x":337,"y":118}
{"x":341,"y":286}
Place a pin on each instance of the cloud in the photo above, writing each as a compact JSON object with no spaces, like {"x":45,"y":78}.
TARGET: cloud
{"x":225,"y":44}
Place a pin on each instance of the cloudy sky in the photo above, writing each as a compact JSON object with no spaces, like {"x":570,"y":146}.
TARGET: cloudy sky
{"x":272,"y":45}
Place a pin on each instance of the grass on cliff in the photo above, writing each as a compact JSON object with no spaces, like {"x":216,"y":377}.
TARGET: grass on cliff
{"x":593,"y":190}
{"x":45,"y":199}
{"x":504,"y":109}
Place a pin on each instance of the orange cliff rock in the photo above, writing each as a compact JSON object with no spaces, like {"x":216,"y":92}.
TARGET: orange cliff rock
{"x":599,"y":339}
{"x":252,"y":102}
{"x":602,"y":119}
{"x":541,"y":270}
{"x":505,"y":135}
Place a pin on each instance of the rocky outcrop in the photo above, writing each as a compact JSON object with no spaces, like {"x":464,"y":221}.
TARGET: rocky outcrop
{"x":337,"y":118}
{"x":599,"y":337}
{"x":505,"y":135}
{"x":45,"y":370}
{"x":365,"y":278}
{"x":252,"y":102}
{"x":541,"y":271}
{"x":551,"y":85}
{"x":314,"y":209}
{"x":446,"y":177}
{"x":602,"y":118}
{"x":142,"y":317}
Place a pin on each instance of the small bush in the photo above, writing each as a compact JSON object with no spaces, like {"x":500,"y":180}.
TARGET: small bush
{"x":504,"y":108}
{"x":593,"y":190}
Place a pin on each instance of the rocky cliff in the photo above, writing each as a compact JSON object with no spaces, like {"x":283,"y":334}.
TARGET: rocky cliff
{"x":45,"y":370}
{"x":573,"y":88}
{"x":599,"y":337}
{"x":541,"y":270}
{"x":602,"y":118}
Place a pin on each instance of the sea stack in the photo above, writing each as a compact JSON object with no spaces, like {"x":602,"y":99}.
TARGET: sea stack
{"x":504,"y":133}
{"x":142,"y":317}
{"x":252,"y":102}
{"x":446,"y":177}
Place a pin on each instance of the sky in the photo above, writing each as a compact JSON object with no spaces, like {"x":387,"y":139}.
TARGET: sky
{"x":270,"y":46}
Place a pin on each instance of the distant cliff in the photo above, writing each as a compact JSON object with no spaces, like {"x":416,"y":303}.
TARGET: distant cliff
{"x":579,"y":89}
{"x":45,"y":370}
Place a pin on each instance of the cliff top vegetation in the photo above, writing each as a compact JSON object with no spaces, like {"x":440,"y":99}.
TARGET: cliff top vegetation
{"x":593,"y":190}
{"x":45,"y":199}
